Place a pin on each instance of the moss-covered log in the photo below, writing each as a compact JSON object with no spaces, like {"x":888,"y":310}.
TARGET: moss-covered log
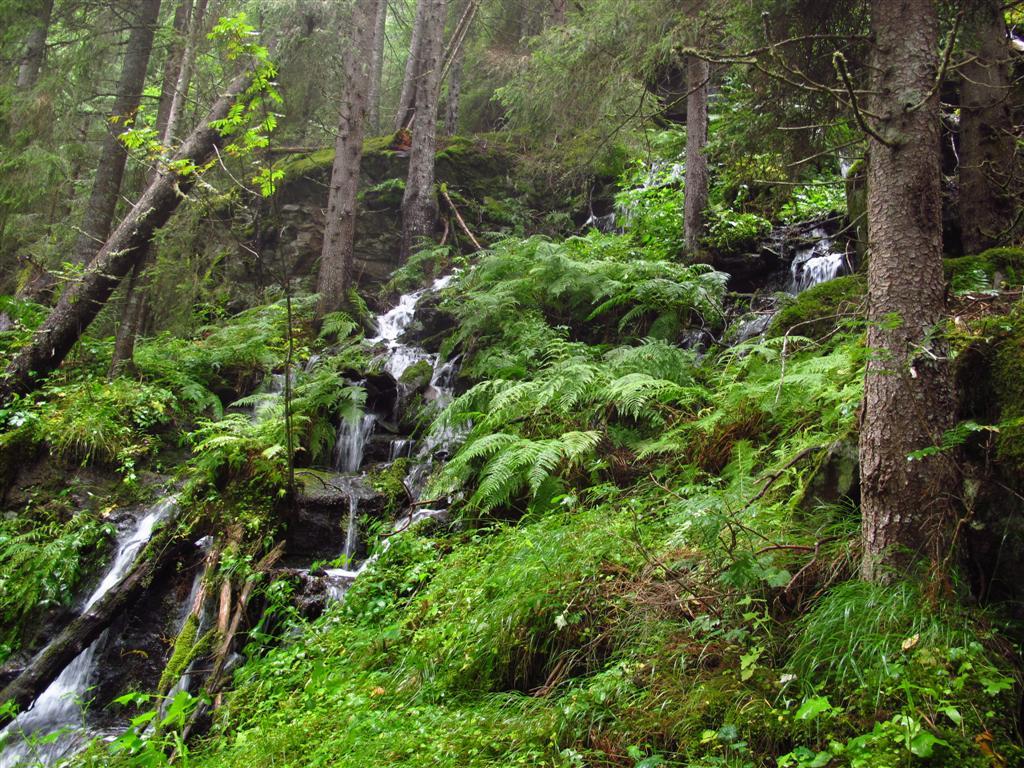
{"x":165,"y":546}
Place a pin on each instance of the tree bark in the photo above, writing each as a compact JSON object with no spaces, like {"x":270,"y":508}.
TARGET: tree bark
{"x":908,"y":393}
{"x":185,"y":75}
{"x":35,"y":47}
{"x":558,"y":8}
{"x":419,"y":203}
{"x":376,"y":69}
{"x":99,"y":212}
{"x":335,"y":276}
{"x":173,"y":64}
{"x":133,"y":317}
{"x":695,"y":202}
{"x":451,"y":115}
{"x":407,"y":97}
{"x":986,"y":130}
{"x":83,"y":630}
{"x":82,"y":301}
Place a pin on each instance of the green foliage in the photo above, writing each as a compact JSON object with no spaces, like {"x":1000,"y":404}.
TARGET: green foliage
{"x":731,"y":231}
{"x":598,"y":284}
{"x":42,"y":564}
{"x":980,"y":273}
{"x":92,"y":420}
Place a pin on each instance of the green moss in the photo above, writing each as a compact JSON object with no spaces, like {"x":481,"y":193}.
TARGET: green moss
{"x":390,"y":483}
{"x":185,"y":650}
{"x":990,"y":269}
{"x":1008,"y":383}
{"x":813,"y":313}
{"x":310,"y":163}
{"x":417,"y":375}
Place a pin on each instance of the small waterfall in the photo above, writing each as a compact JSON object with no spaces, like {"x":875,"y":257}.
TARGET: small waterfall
{"x":352,"y":437}
{"x":58,"y":708}
{"x":400,"y":449}
{"x":815,"y":263}
{"x":392,"y":324}
{"x":352,"y":532}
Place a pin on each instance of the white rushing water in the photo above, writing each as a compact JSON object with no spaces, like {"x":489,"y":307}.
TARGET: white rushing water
{"x":392,"y":324}
{"x":816,"y":263}
{"x":351,"y":444}
{"x":58,"y":709}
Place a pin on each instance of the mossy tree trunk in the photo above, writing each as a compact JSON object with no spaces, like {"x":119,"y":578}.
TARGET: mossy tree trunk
{"x":335,"y":276}
{"x":82,"y":631}
{"x":908,"y":390}
{"x":419,"y":203}
{"x":986,"y":129}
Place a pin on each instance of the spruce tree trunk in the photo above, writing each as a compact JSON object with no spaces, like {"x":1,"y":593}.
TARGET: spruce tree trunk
{"x":99,"y":212}
{"x":188,"y":63}
{"x":173,"y":64}
{"x":376,"y":70}
{"x":407,"y":97}
{"x":336,"y":256}
{"x":133,"y":317}
{"x":83,"y":299}
{"x":696,"y":191}
{"x":419,"y":203}
{"x":908,"y":390}
{"x":451,"y":115}
{"x":35,"y":47}
{"x":986,"y":129}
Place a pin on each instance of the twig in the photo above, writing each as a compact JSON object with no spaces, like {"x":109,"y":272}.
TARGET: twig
{"x":839,"y":62}
{"x":458,"y":218}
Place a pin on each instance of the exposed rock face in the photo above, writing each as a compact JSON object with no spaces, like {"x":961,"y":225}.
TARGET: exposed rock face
{"x":320,"y":527}
{"x":291,"y":225}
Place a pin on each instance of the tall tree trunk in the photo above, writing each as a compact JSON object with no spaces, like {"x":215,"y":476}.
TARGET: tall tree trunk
{"x":336,"y":257}
{"x":35,"y":46}
{"x":188,"y":63}
{"x":376,"y":69}
{"x":180,"y":60}
{"x":407,"y":97}
{"x":696,"y":191}
{"x":83,"y":300}
{"x":986,"y":129}
{"x":173,"y":64}
{"x":99,"y":212}
{"x":451,"y":115}
{"x":908,"y":390}
{"x":558,"y":8}
{"x":133,"y":317}
{"x":419,"y":203}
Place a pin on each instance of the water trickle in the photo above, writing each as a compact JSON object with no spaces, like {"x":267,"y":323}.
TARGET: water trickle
{"x":352,"y":532}
{"x":58,"y":710}
{"x":816,"y":263}
{"x":352,"y":437}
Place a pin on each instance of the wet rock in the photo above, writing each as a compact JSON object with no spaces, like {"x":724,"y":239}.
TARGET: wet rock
{"x":319,"y":527}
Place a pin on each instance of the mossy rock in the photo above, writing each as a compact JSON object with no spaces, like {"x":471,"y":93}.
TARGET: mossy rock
{"x":993,"y":268}
{"x":418,"y":375}
{"x":814,"y":312}
{"x":389,"y":482}
{"x":1008,"y":384}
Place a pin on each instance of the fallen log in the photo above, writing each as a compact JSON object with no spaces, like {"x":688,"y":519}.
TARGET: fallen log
{"x":83,"y":300}
{"x":165,"y":546}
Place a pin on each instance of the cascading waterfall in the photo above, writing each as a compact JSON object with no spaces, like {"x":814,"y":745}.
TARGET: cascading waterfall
{"x":816,"y":263}
{"x":351,"y":445}
{"x":58,"y":708}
